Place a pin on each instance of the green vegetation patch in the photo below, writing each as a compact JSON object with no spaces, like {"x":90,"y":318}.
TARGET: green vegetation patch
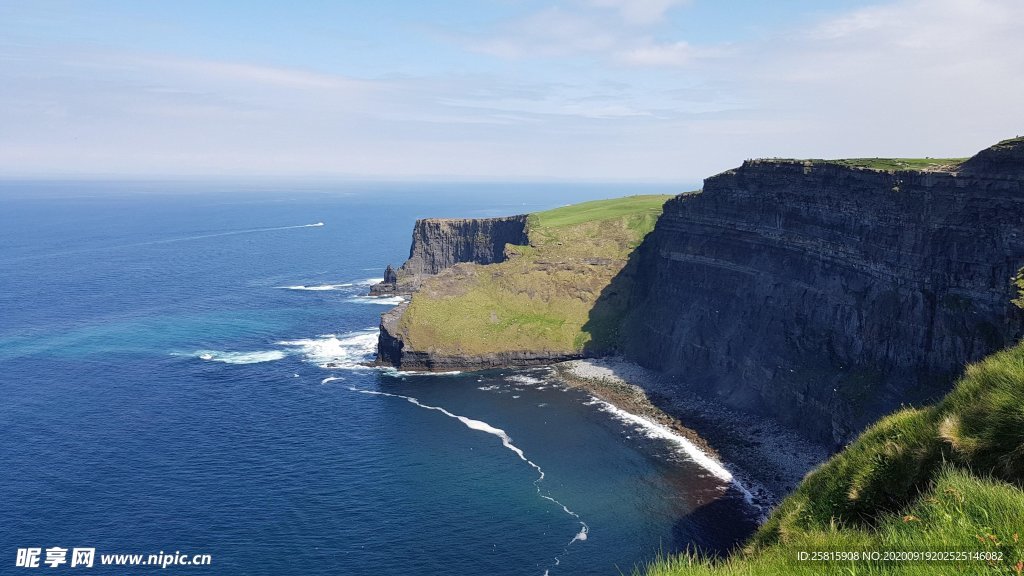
{"x":555,"y":295}
{"x":630,"y":206}
{"x":944,"y":477}
{"x":896,"y":164}
{"x":958,"y":513}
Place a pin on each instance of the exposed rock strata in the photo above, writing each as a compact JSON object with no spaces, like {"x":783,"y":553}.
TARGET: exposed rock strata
{"x":826,"y":296}
{"x":439,"y":243}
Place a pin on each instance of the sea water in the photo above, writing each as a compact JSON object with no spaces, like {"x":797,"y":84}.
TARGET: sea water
{"x":181,"y":370}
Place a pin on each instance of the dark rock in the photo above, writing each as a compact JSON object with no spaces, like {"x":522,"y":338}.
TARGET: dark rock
{"x":1005,"y":159}
{"x":820,"y":295}
{"x":387,"y":286}
{"x":439,"y":243}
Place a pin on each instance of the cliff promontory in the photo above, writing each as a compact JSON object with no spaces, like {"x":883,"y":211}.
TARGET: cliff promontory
{"x":517,"y":291}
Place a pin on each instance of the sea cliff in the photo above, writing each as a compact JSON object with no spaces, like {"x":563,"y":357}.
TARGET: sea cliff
{"x":820,"y":293}
{"x":826,"y":295}
{"x":440,"y":243}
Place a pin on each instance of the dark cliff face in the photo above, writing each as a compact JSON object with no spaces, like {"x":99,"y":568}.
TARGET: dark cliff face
{"x":1005,"y":160}
{"x":825,"y":296}
{"x":441,"y":243}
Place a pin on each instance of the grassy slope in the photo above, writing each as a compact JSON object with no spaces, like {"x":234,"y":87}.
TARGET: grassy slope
{"x":946,"y":476}
{"x":543,"y":296}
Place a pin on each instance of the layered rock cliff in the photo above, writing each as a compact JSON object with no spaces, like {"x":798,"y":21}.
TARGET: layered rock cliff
{"x":825,"y":295}
{"x":439,"y":243}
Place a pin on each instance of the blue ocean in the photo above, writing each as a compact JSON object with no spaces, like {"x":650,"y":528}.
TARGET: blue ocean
{"x":181,"y":370}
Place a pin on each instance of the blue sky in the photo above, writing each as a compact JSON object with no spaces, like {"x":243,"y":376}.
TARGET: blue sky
{"x":661,"y":90}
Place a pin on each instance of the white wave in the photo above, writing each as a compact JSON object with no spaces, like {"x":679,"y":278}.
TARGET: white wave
{"x":653,"y":429}
{"x":340,"y":286}
{"x":351,"y":350}
{"x":383,"y":300}
{"x":506,"y":441}
{"x":387,"y":371}
{"x":318,"y":287}
{"x":522,"y":379}
{"x":236,"y":357}
{"x":488,"y":388}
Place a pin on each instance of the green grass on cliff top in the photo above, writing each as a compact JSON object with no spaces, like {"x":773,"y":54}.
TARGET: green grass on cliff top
{"x":545,"y":296}
{"x":597,"y":210}
{"x":943,"y":477}
{"x":893,"y":164}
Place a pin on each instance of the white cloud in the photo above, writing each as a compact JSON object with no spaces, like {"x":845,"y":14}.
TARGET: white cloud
{"x":612,"y":30}
{"x":639,"y":12}
{"x":922,"y":77}
{"x":666,"y":55}
{"x":610,"y":96}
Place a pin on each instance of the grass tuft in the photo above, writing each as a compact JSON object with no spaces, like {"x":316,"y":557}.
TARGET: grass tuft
{"x":944,"y":477}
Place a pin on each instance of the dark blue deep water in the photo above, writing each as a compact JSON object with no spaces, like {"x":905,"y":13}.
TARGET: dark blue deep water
{"x":162,"y":388}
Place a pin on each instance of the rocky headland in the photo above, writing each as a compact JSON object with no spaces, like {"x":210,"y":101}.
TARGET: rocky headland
{"x":817,"y":294}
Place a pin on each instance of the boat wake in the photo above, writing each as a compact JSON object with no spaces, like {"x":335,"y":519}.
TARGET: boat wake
{"x":163,"y":241}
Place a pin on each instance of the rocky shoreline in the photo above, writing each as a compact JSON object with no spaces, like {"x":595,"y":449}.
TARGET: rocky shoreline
{"x":765,"y":458}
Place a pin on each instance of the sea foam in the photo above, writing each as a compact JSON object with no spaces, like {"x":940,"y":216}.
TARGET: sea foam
{"x":350,"y":350}
{"x":319,"y":287}
{"x":236,"y":357}
{"x":382,"y":300}
{"x":652,"y":429}
{"x":523,"y":379}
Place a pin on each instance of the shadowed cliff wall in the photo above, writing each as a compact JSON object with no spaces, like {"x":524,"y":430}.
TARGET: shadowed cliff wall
{"x":825,"y":295}
{"x":441,"y":243}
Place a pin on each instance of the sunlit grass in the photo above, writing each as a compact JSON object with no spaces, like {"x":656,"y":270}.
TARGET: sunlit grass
{"x":543,"y":297}
{"x":944,"y":477}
